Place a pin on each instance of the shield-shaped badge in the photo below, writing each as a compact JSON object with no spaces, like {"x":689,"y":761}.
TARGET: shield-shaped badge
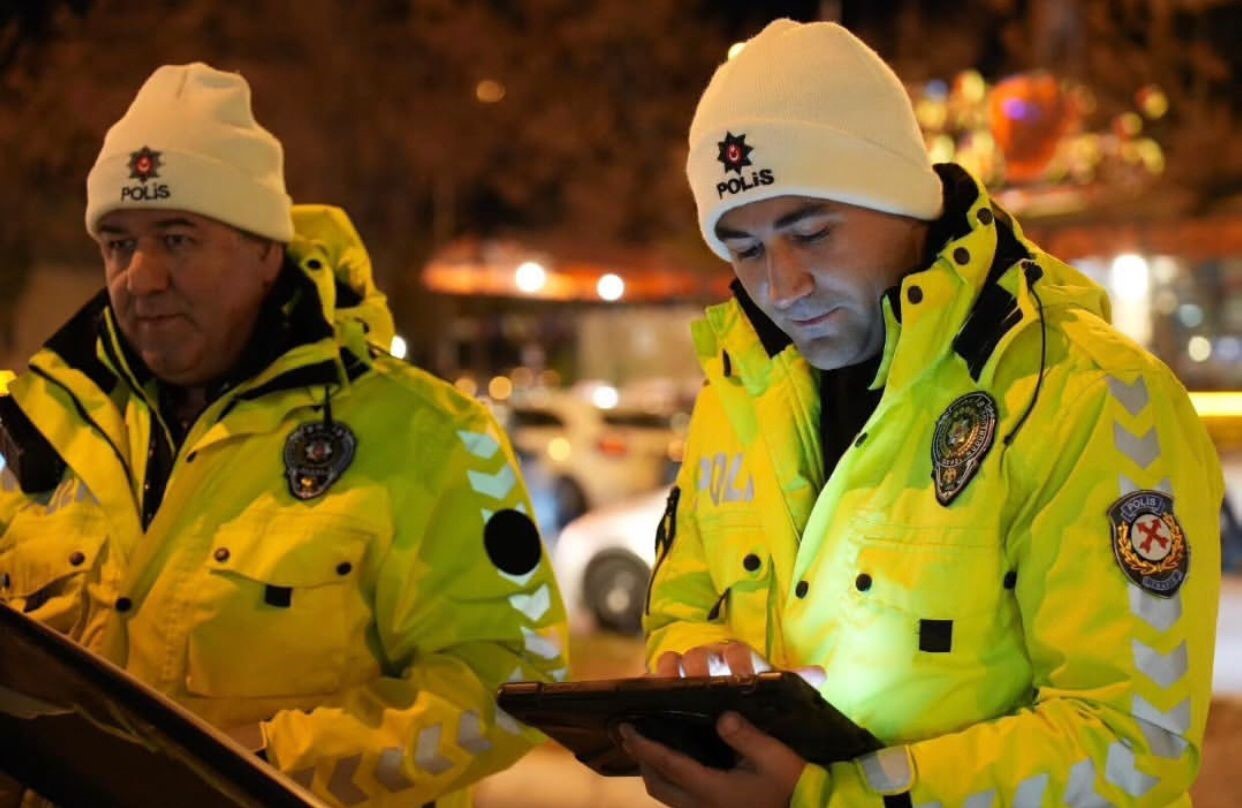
{"x":316,"y":455}
{"x":964,"y":434}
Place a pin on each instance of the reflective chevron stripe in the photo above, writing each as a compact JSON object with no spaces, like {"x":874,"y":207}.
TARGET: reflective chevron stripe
{"x":985,"y":799}
{"x":427,"y":752}
{"x":496,"y":486}
{"x":533,"y":606}
{"x":1132,"y":396}
{"x":1159,"y":613}
{"x":1163,"y":669}
{"x":540,"y":646}
{"x":342,"y":786}
{"x":1128,"y":486}
{"x":1122,"y":771}
{"x":388,"y":770}
{"x":1142,"y":450}
{"x":888,"y":771}
{"x":478,"y":444}
{"x":470,"y":734}
{"x":1080,"y":791}
{"x":1030,"y":793}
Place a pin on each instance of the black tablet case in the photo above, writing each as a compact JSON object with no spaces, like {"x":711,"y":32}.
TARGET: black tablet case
{"x":681,"y":713}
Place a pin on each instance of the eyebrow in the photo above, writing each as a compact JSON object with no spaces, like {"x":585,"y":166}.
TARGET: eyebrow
{"x":793,"y":217}
{"x":114,"y":230}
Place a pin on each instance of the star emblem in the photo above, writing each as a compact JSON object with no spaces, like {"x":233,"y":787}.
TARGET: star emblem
{"x":734,"y":153}
{"x":144,"y":164}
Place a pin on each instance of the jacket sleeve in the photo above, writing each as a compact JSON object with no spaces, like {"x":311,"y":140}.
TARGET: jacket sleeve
{"x":1122,"y":676}
{"x":682,"y":598}
{"x":465,"y":600}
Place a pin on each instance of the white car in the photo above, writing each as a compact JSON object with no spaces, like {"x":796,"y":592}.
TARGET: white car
{"x":603,"y":561}
{"x":586,"y":455}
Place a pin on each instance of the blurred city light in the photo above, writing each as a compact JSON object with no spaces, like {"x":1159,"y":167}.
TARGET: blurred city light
{"x":736,"y":48}
{"x":1130,"y":277}
{"x":1199,"y":349}
{"x":500,"y":388}
{"x":1217,"y":404}
{"x":559,"y":449}
{"x":605,"y":397}
{"x":399,"y":348}
{"x":610,"y":287}
{"x":1190,"y":315}
{"x":489,"y":91}
{"x":467,"y":386}
{"x":530,"y":277}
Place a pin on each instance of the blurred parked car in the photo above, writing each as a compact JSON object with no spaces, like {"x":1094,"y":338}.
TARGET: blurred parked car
{"x":603,"y":561}
{"x":582,"y":456}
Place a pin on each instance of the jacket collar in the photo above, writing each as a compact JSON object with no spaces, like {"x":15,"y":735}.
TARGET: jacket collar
{"x":964,"y":306}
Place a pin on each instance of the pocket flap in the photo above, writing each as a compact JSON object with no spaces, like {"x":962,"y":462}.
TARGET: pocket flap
{"x":34,"y":563}
{"x":292,"y":550}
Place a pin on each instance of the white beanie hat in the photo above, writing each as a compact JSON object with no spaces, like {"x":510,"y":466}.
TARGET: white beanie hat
{"x":807,"y":110}
{"x":189,"y":141}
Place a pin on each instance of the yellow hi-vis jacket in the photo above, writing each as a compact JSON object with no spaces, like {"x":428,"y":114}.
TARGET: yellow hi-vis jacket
{"x":1023,"y":644}
{"x":366,"y":622}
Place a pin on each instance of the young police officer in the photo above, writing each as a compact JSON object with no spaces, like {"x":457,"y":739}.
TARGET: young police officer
{"x":926,"y":464}
{"x":219,"y":482}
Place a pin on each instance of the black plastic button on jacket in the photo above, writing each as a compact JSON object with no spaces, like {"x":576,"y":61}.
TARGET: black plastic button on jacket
{"x":914,"y":294}
{"x":961,"y":255}
{"x":221,"y":554}
{"x":124,"y":604}
{"x":751,"y":562}
{"x":77,"y":557}
{"x":863,"y":582}
{"x":801,"y":589}
{"x":985,"y":216}
{"x":860,"y":440}
{"x":343,"y":568}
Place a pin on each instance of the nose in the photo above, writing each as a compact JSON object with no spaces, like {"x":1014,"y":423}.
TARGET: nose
{"x":789,"y":279}
{"x":146,"y":274}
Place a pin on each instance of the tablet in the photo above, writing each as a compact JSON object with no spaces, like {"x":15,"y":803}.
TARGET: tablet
{"x":83,"y":732}
{"x":585,"y":717}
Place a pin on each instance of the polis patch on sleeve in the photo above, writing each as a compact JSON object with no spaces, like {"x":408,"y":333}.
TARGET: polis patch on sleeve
{"x":1149,"y":543}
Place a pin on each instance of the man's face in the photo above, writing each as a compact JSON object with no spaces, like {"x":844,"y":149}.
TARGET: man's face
{"x":186,"y":289}
{"x":818,"y":269}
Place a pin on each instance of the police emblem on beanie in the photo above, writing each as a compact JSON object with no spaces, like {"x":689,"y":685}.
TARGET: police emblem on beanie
{"x":734,"y":153}
{"x":144,"y":164}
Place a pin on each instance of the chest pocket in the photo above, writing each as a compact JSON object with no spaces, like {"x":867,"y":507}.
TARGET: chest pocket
{"x":930,"y":590}
{"x":47,"y":559}
{"x":281,"y":610}
{"x":741,"y":572}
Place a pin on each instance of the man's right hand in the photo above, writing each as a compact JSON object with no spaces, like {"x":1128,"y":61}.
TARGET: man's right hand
{"x":724,"y":659}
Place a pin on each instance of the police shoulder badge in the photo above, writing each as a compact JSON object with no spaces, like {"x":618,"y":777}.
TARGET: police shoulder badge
{"x":316,"y":455}
{"x":1149,"y":542}
{"x":964,"y":434}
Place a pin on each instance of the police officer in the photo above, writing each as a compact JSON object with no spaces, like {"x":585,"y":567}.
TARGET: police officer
{"x":218,"y":479}
{"x":925,"y":465}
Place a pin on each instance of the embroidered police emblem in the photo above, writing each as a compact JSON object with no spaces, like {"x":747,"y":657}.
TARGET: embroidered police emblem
{"x":144,"y":164}
{"x":964,"y":434}
{"x":734,"y":153}
{"x":316,"y":455}
{"x":1149,"y":543}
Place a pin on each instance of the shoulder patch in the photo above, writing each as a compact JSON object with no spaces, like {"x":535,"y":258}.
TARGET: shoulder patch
{"x":1149,"y":543}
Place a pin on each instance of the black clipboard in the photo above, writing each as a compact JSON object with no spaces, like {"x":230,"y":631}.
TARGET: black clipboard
{"x":82,"y":732}
{"x":681,"y":713}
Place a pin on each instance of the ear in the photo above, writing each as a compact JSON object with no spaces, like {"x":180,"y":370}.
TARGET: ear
{"x":271,"y":257}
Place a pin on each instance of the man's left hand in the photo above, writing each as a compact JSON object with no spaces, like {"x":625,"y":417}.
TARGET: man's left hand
{"x":765,"y":775}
